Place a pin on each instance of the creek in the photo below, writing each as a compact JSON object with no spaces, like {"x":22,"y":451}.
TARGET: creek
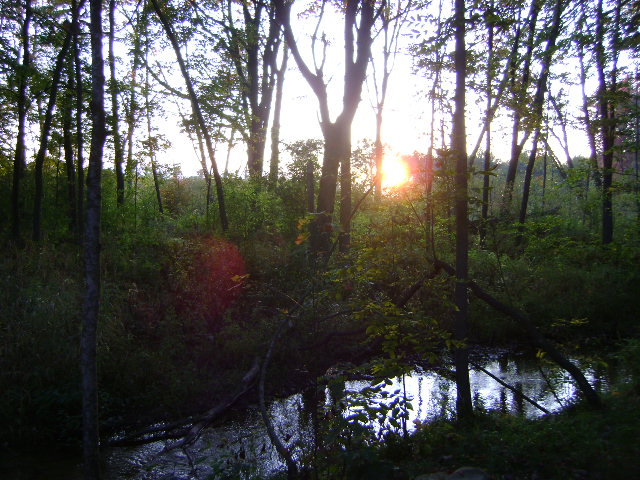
{"x":240,"y":447}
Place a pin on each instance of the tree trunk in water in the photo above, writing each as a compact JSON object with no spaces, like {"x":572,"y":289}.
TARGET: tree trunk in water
{"x":118,"y":151}
{"x":464,"y":406}
{"x":20,"y":159}
{"x":44,"y":141}
{"x":196,"y":107}
{"x":91,"y":304}
{"x":275,"y":128}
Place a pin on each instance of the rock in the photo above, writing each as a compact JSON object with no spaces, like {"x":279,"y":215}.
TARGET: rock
{"x":464,"y":473}
{"x":469,"y":473}
{"x":433,"y":476}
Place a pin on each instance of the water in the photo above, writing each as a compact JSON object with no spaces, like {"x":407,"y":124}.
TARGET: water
{"x":241,"y":448}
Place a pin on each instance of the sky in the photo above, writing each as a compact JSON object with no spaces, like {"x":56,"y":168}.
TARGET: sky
{"x":406,"y":115}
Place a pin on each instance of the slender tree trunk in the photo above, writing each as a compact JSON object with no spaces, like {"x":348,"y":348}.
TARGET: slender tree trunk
{"x":75,"y":27}
{"x":132,"y":110}
{"x":544,"y":176}
{"x":196,"y":107}
{"x":91,"y":304}
{"x":44,"y":141}
{"x":379,"y":155}
{"x":607,"y":129}
{"x":517,"y":144}
{"x":527,"y":178}
{"x":538,"y":102}
{"x":311,"y":183}
{"x":486,"y":179}
{"x":20,"y":159}
{"x":152,"y":153}
{"x":274,"y":162}
{"x":464,"y":406}
{"x":344,"y":239}
{"x":118,"y":150}
{"x":67,"y":139}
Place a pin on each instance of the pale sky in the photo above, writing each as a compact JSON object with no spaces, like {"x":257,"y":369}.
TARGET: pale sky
{"x":406,"y":119}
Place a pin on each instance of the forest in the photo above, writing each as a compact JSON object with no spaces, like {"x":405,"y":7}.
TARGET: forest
{"x":318,"y":302}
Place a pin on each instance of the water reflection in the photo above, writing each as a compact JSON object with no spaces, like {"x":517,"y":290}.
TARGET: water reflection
{"x":241,"y":449}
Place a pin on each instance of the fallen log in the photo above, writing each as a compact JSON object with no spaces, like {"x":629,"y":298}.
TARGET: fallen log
{"x":186,"y":431}
{"x":535,"y":335}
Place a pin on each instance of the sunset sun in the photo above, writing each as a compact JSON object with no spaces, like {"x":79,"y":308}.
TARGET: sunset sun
{"x":395,"y":171}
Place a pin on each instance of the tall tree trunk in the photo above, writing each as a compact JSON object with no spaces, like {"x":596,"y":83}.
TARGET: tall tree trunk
{"x":486,"y":179}
{"x":132,"y":110}
{"x":91,"y":304}
{"x":75,"y":27}
{"x":67,"y":140}
{"x":527,"y":178}
{"x":311,"y":183}
{"x":429,"y":210}
{"x":151,"y":146}
{"x":337,"y":134}
{"x":196,"y":108}
{"x":274,"y":162}
{"x":607,"y":125}
{"x":517,"y":144}
{"x":44,"y":140}
{"x":538,"y":102}
{"x":118,"y":150}
{"x":20,"y":159}
{"x":464,"y":406}
{"x":344,"y":238}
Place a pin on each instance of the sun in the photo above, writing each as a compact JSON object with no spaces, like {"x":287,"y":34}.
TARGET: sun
{"x":395,"y":171}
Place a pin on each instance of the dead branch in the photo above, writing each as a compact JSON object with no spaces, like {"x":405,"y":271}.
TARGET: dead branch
{"x":283,"y":451}
{"x":513,"y":389}
{"x":536,"y":337}
{"x":189,"y":429}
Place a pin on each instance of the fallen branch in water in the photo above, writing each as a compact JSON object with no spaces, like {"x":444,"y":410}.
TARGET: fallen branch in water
{"x":292,"y":468}
{"x":520,"y":393}
{"x":189,"y":429}
{"x":538,"y":339}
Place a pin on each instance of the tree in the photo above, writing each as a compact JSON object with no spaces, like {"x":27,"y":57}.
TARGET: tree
{"x":464,"y":406}
{"x":538,"y":102}
{"x":254,"y":56}
{"x":91,"y":303}
{"x":519,"y":91}
{"x":393,"y":17}
{"x":79,"y":97}
{"x":198,"y":111}
{"x":44,"y":136}
{"x":20,"y":160}
{"x":337,"y":133}
{"x":118,"y":150}
{"x":275,"y":128}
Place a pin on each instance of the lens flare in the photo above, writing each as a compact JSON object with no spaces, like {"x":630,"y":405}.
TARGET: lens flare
{"x":395,"y":171}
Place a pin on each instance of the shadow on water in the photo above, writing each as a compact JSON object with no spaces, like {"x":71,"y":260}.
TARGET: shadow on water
{"x":241,"y":448}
